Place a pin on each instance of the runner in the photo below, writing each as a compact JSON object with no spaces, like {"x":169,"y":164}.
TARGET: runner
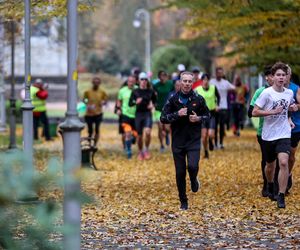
{"x":273,"y":104}
{"x":295,"y":136}
{"x":223,"y":87}
{"x":94,"y":98}
{"x":162,"y":89}
{"x":269,"y":82}
{"x":127,"y":114}
{"x":198,"y":81}
{"x":212,"y":99}
{"x":144,"y":98}
{"x":238,"y":106}
{"x":185,"y":111}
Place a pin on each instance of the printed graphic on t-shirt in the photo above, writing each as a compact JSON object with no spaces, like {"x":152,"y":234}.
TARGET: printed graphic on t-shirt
{"x":281,"y":103}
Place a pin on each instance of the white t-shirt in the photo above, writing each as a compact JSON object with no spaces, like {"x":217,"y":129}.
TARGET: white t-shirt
{"x":275,"y":126}
{"x":223,"y":86}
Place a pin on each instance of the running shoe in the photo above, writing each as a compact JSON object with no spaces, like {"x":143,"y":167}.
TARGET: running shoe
{"x":280,"y":201}
{"x":147,"y":155}
{"x":162,"y":149}
{"x":140,"y":156}
{"x":184,"y":205}
{"x":195,"y":185}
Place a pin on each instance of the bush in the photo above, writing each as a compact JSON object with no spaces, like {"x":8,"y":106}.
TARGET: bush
{"x":168,"y":57}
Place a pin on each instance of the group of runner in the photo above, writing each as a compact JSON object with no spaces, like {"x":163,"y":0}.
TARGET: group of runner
{"x":194,"y":109}
{"x":138,"y":97}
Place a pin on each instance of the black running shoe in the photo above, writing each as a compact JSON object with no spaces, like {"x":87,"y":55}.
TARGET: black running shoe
{"x":271,"y":193}
{"x":184,"y":205}
{"x":195,"y":185}
{"x":280,"y":201}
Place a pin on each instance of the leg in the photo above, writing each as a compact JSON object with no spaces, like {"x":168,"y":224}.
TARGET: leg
{"x":180,"y":167}
{"x":36,"y":120}
{"x":147,"y":132}
{"x":160,"y":134}
{"x":217,"y":126}
{"x":235,"y":111}
{"x":204,"y":133}
{"x":263,"y":166}
{"x":223,"y":115}
{"x":283,"y":176}
{"x":98,"y":121}
{"x":193,"y":158}
{"x":44,"y":120}
{"x":89,"y":122}
{"x":139,"y":125}
{"x":128,"y":138}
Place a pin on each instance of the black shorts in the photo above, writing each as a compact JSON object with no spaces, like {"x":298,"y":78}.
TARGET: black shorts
{"x":143,"y":120}
{"x":127,"y":120}
{"x":272,"y":148}
{"x":209,"y":123}
{"x":93,"y":120}
{"x":295,"y":138}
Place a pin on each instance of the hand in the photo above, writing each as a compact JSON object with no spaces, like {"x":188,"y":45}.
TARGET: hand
{"x":150,"y":106}
{"x":139,"y":100}
{"x":119,"y":112}
{"x":291,"y":124}
{"x":182,"y":112}
{"x":277,"y":110}
{"x":194,"y":117}
{"x":293,"y":107}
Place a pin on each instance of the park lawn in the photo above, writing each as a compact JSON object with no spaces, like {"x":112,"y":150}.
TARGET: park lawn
{"x":136,"y":203}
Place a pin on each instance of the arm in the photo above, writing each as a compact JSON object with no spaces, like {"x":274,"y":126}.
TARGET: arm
{"x":167,"y":116}
{"x":258,"y":112}
{"x":132,"y":100}
{"x":105,"y":97}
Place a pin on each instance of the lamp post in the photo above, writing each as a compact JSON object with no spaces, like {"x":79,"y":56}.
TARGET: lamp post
{"x":2,"y":86}
{"x":12,"y":115}
{"x":27,"y":108}
{"x":70,"y":129}
{"x":139,"y":15}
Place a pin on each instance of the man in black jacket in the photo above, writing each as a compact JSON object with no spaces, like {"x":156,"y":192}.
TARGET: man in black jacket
{"x":185,"y":111}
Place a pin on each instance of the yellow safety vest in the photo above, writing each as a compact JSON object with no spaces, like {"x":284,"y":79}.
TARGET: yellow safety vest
{"x":209,"y":96}
{"x":39,"y":104}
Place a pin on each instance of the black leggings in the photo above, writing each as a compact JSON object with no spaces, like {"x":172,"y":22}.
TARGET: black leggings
{"x":221,"y":119}
{"x":185,"y":159}
{"x":263,"y":160}
{"x":91,"y":120}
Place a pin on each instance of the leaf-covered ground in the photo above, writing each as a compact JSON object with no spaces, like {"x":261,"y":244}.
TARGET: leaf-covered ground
{"x":136,"y":204}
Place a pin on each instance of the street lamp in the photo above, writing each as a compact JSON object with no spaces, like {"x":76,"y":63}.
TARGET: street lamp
{"x":2,"y":87}
{"x":139,"y":15}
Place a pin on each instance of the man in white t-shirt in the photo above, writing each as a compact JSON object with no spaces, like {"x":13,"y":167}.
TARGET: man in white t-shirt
{"x":223,"y":86}
{"x":273,"y":104}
